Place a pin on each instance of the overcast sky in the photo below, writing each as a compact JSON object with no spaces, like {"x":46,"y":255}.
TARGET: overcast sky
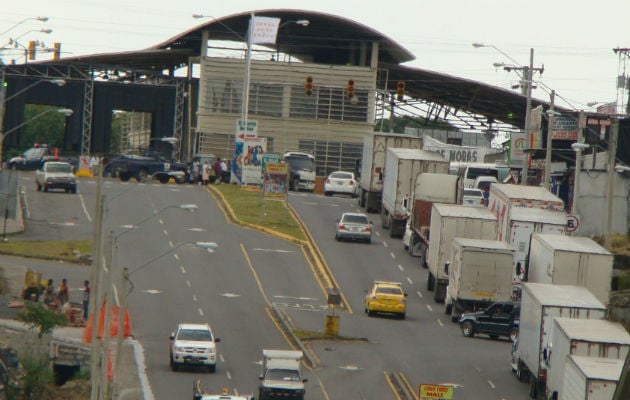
{"x":573,"y":39}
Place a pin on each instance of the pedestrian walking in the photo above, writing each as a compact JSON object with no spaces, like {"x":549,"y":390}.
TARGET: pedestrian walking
{"x":63,"y":295}
{"x":205,"y":173}
{"x":86,"y":299}
{"x":224,"y":171}
{"x":195,"y":171}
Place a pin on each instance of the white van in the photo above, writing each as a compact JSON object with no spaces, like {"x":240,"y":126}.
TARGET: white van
{"x":469,"y":172}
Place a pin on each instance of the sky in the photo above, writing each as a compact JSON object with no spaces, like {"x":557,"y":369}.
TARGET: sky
{"x":573,"y":40}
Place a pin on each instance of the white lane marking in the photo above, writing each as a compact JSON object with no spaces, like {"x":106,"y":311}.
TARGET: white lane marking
{"x":400,"y":267}
{"x":196,"y":229}
{"x":230,"y":295}
{"x":142,"y":370}
{"x":419,"y":294}
{"x":409,"y":280}
{"x":170,"y":243}
{"x":429,"y":307}
{"x":293,"y":297}
{"x":183,"y":269}
{"x":491,"y":384}
{"x":221,"y":358}
{"x":440,"y":322}
{"x":188,"y":283}
{"x":127,"y":226}
{"x":350,"y":367}
{"x":194,"y":297}
{"x":385,"y":244}
{"x":378,"y":233}
{"x":152,"y":291}
{"x":161,"y":221}
{"x":116,"y":300}
{"x":273,"y":250}
{"x":165,"y":232}
{"x":176,"y":256}
{"x":200,"y":311}
{"x":84,"y":206}
{"x":229,"y":376}
{"x":393,"y":255}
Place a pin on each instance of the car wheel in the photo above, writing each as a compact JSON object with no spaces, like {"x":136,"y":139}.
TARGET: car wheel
{"x":142,"y":175}
{"x":448,"y":310}
{"x":513,"y":334}
{"x":67,"y":190}
{"x":337,"y":238}
{"x":495,"y":337}
{"x":327,"y":194}
{"x":39,"y":187}
{"x":296,"y":185}
{"x":403,"y":316}
{"x":164,"y":179}
{"x":368,"y":241}
{"x":212,"y":368}
{"x":124,"y":176}
{"x":74,"y":189}
{"x":369,"y":312}
{"x":468,"y":329}
{"x":430,"y":282}
{"x":172,"y":364}
{"x":521,"y":373}
{"x":533,"y":387}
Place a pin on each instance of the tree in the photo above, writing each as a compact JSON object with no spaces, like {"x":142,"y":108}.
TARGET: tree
{"x":46,"y":129}
{"x":37,"y":316}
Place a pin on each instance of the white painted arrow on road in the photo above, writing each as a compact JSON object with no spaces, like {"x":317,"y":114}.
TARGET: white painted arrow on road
{"x":294,"y":298}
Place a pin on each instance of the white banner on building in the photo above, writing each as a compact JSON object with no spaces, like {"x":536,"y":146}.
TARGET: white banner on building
{"x":264,"y":30}
{"x":454,"y":153}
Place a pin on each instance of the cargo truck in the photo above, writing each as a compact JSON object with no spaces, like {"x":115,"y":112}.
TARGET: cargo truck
{"x":402,"y":167}
{"x":587,"y":378}
{"x":582,"y":337}
{"x":449,"y":221}
{"x":479,"y":274}
{"x":281,"y":377}
{"x":504,"y":198}
{"x":571,"y":260}
{"x":540,"y":304}
{"x":375,"y":146}
{"x":430,"y":188}
{"x":522,"y":223}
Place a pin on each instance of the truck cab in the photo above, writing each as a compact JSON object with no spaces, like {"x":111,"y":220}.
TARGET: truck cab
{"x":281,"y":377}
{"x":301,"y":170}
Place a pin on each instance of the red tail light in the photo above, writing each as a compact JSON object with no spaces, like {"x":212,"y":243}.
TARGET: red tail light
{"x":342,"y":227}
{"x":403,"y":301}
{"x":368,"y":229}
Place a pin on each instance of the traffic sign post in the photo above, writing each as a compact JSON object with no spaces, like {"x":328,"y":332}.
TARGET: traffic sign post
{"x":573,"y":223}
{"x":432,"y":392}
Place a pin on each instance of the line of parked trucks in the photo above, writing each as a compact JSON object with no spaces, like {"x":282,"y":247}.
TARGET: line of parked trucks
{"x":515,"y":250}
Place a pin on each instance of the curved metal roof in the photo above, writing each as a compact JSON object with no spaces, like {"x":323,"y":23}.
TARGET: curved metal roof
{"x":326,"y":40}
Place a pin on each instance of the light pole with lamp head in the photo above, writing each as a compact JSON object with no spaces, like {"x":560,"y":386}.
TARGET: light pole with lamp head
{"x":41,"y":19}
{"x":527,"y":78}
{"x":125,"y":292}
{"x":4,"y":100}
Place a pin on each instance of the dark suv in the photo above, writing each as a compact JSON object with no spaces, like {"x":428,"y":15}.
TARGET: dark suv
{"x":499,"y":319}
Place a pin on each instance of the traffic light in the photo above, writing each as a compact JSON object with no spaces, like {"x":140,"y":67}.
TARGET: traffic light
{"x":350,"y":89}
{"x":57,"y":52}
{"x":400,"y":91}
{"x":32,"y":45}
{"x":308,"y":87}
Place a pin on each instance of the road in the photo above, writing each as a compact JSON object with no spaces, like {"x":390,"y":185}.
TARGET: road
{"x":233,"y":288}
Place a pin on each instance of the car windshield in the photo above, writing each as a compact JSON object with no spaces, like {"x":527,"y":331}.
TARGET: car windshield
{"x":200,"y":335}
{"x":283,"y":375}
{"x":355,"y":219}
{"x":473,"y":192}
{"x":341,"y":175}
{"x":67,"y":168}
{"x":300,"y":162}
{"x":388,"y":290}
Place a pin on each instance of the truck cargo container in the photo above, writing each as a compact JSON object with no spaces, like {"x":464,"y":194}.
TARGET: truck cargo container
{"x":503,"y":198}
{"x":587,"y":378}
{"x":479,"y":274}
{"x":430,"y":188}
{"x":571,"y":260}
{"x":402,"y":166}
{"x":523,"y":222}
{"x":540,"y":304}
{"x":582,"y":337}
{"x":375,"y":146}
{"x":449,"y":221}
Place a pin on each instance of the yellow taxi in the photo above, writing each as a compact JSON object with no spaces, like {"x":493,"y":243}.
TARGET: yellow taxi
{"x":386,"y":297}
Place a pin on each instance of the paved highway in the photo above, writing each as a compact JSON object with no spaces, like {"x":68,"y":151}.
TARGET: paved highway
{"x":233,"y":288}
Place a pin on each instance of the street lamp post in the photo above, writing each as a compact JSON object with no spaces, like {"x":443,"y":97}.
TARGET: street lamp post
{"x":4,"y":100}
{"x":41,"y":19}
{"x":527,"y":79}
{"x":548,"y":147}
{"x":125,"y":291}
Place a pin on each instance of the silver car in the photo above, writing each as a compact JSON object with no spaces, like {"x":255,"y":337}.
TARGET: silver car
{"x":354,"y":226}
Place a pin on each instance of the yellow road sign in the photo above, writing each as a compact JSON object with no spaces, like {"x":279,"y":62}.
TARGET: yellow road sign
{"x":430,"y":392}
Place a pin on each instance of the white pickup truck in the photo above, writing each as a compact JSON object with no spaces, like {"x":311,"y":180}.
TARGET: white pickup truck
{"x":56,"y":175}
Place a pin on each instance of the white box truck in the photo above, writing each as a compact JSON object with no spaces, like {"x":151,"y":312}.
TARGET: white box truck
{"x":582,"y":337}
{"x":449,"y":221}
{"x":375,"y":146}
{"x":540,"y":304}
{"x":571,"y":260}
{"x":588,"y":378}
{"x":281,"y":377}
{"x":479,"y":274}
{"x":523,"y":222}
{"x":430,"y":188}
{"x":402,"y":166}
{"x":503,"y":198}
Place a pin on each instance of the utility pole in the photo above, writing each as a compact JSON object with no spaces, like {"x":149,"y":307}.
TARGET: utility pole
{"x":550,"y":123}
{"x":612,"y":149}
{"x":528,"y":74}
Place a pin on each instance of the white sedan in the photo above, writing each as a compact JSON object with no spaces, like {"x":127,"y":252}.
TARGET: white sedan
{"x":341,"y":182}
